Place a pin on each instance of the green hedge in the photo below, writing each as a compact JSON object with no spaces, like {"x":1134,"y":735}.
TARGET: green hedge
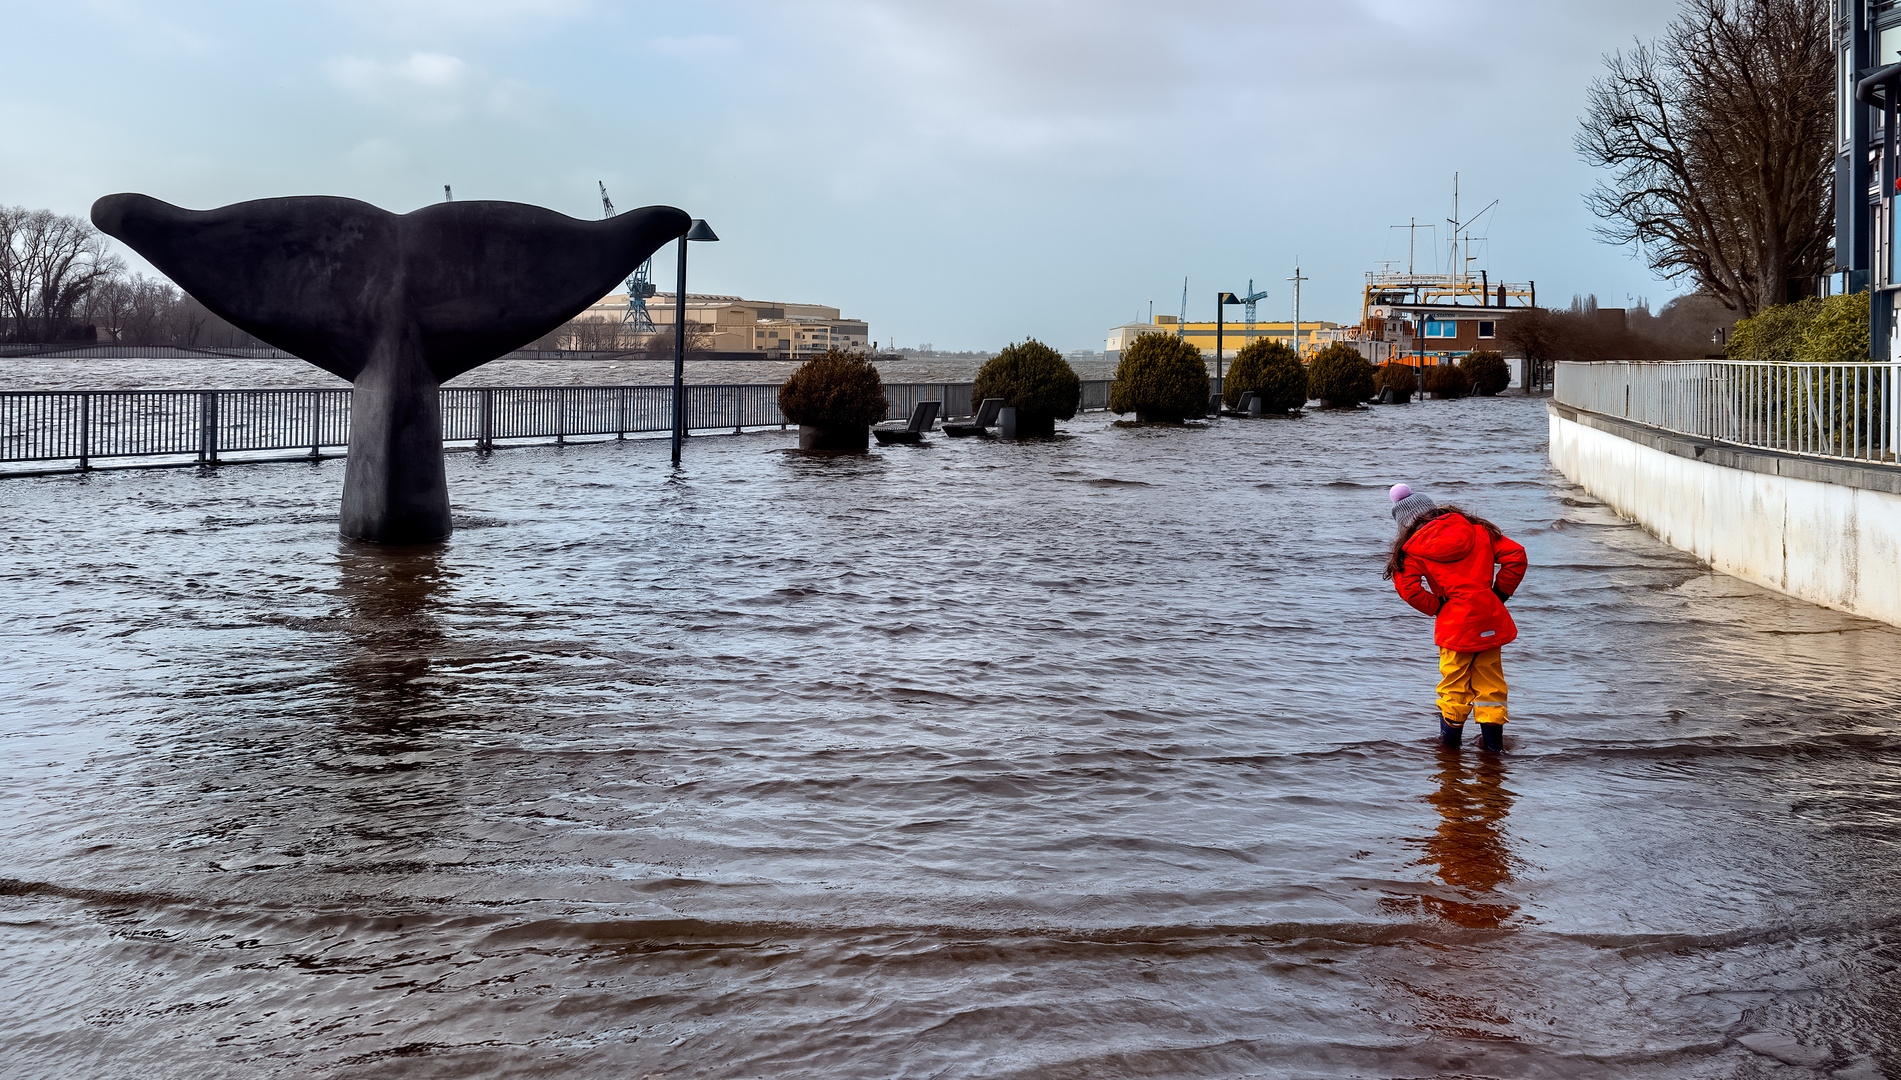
{"x":1161,"y":378}
{"x":837,"y":389}
{"x":1032,"y":378}
{"x":1270,"y":370}
{"x":1811,"y":331}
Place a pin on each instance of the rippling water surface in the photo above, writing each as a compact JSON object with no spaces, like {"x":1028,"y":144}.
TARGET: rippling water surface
{"x":1107,"y":756}
{"x":34,"y":373}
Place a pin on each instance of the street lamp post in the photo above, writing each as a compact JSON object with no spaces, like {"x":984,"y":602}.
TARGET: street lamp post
{"x":699,"y":230}
{"x":1222,"y":300}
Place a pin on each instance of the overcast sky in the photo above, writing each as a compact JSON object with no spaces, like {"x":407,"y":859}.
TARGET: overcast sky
{"x":958,"y":172}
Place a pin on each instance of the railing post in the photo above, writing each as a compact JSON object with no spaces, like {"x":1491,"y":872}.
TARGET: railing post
{"x":1892,"y":430}
{"x":620,"y":415}
{"x":207,"y":427}
{"x":85,"y":432}
{"x":485,"y":436}
{"x":316,"y":425}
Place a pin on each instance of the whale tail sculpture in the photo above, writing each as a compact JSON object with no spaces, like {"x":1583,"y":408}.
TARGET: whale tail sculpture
{"x":395,"y":303}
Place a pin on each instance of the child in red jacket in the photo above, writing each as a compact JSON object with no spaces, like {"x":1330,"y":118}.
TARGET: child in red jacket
{"x":1459,"y":569}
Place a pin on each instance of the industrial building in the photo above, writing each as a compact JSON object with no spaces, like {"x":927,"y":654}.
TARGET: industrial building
{"x":732,"y":324}
{"x":1427,"y":319}
{"x":1234,"y":335}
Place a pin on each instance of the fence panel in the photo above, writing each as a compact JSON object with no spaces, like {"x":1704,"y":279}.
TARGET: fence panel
{"x":202,"y":425}
{"x":1839,"y":411}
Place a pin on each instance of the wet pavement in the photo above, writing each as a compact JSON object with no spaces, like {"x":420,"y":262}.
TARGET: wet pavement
{"x":1105,"y":756}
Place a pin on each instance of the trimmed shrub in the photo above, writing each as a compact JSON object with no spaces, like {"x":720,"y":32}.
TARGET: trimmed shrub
{"x":1487,"y":372}
{"x":1339,"y":376}
{"x":1032,"y":378}
{"x":1401,"y":379}
{"x":1161,"y":378}
{"x":1270,"y":370}
{"x":835,"y":390}
{"x":1837,"y":333}
{"x":1446,"y":380}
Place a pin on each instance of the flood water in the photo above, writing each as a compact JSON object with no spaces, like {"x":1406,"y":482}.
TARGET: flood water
{"x":217,"y":372}
{"x":1107,"y":756}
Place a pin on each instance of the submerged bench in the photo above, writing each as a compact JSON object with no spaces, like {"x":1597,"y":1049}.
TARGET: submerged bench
{"x":980,"y":424}
{"x":923,"y":414}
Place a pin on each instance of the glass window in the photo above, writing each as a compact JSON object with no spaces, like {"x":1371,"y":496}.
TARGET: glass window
{"x":1888,"y":49}
{"x":1845,"y":98}
{"x":1441,"y":328}
{"x":1487,"y":329}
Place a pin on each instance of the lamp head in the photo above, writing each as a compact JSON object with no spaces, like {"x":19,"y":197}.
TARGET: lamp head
{"x":700,"y":230}
{"x":1227,"y":298}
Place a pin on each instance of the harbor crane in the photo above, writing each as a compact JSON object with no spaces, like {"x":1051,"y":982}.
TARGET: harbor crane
{"x":640,"y":286}
{"x":1250,"y":300}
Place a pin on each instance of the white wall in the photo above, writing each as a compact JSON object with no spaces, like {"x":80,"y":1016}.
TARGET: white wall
{"x":1829,"y":544}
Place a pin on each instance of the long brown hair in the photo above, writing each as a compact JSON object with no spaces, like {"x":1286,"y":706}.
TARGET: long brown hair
{"x":1396,"y":559}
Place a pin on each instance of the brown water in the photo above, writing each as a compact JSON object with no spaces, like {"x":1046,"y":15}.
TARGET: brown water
{"x":1108,"y":756}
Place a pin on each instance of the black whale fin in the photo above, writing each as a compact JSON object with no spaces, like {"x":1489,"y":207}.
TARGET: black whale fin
{"x":327,"y":278}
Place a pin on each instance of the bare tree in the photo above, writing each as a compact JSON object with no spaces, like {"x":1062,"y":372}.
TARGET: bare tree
{"x":1719,"y":139}
{"x":49,"y":263}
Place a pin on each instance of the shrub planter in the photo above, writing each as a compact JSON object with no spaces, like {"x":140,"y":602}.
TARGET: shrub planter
{"x":1445,"y":382}
{"x":1486,"y":372}
{"x":1397,"y":382}
{"x":834,"y":398}
{"x":1340,"y":377}
{"x":1015,"y":423}
{"x":1037,"y":387}
{"x":1162,"y":379}
{"x":1272,"y":373}
{"x":845,"y":439}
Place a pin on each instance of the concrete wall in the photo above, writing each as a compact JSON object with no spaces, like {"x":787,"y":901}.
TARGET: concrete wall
{"x":1825,"y":532}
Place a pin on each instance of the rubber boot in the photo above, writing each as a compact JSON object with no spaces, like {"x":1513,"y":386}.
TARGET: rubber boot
{"x":1449,"y":733}
{"x":1492,"y":738}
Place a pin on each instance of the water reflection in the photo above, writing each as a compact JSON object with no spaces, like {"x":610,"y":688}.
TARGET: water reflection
{"x":1469,"y":845}
{"x":392,"y":599}
{"x":852,"y":745}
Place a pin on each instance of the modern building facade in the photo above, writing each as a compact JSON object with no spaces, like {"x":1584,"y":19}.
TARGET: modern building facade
{"x":1868,"y":82}
{"x":733,"y":324}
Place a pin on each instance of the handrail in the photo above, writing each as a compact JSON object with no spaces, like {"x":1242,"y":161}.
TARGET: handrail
{"x":207,"y":426}
{"x":1839,"y":411}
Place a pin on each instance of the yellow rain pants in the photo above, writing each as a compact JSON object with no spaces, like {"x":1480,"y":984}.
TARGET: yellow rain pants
{"x":1471,"y":683}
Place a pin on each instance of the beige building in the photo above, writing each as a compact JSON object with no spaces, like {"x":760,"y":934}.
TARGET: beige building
{"x":735,"y":324}
{"x":1313,"y":334}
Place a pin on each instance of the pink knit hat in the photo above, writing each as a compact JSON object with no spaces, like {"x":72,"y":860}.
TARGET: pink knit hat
{"x":1407,"y":505}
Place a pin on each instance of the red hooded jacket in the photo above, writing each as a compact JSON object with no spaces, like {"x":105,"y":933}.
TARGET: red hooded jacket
{"x":1446,"y":570}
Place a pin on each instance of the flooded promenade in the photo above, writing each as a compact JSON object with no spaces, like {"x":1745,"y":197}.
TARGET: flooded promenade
{"x":1106,"y":756}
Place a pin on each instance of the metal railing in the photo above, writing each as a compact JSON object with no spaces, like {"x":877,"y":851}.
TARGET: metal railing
{"x":185,"y":427}
{"x":1840,"y":411}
